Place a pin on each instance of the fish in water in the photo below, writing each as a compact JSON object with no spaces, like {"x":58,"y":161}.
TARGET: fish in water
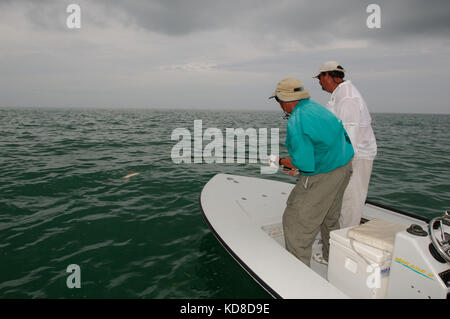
{"x":130,"y":175}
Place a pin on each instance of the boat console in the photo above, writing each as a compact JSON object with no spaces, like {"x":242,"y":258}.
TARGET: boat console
{"x":420,"y":262}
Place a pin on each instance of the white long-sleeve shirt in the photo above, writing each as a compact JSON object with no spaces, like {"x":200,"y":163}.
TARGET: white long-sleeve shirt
{"x":348,"y":105}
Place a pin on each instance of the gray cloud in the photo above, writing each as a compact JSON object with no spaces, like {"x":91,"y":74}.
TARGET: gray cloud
{"x":302,"y":19}
{"x":135,"y":52}
{"x":309,"y":21}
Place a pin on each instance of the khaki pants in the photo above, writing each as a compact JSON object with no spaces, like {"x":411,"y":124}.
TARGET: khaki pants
{"x":355,"y":194}
{"x":314,"y":205}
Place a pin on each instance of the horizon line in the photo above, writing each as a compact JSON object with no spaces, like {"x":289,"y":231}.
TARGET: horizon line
{"x":185,"y":109}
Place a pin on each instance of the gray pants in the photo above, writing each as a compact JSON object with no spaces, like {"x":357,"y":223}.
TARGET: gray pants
{"x":314,"y":205}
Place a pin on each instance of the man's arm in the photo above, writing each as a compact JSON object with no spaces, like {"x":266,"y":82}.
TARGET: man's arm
{"x":348,"y":110}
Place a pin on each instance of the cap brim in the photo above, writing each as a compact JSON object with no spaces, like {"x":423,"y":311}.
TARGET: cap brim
{"x":274,"y":94}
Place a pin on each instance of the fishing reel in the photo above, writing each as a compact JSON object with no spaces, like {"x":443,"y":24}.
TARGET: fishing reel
{"x":442,"y":245}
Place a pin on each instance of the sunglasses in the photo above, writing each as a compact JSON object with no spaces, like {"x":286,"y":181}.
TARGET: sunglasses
{"x":286,"y":114}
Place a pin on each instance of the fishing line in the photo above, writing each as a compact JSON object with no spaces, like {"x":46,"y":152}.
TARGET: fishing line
{"x":184,"y":160}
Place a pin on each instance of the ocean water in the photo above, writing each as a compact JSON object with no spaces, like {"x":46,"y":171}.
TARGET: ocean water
{"x":64,"y":201}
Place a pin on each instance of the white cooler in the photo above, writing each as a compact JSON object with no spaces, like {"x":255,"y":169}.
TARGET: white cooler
{"x":360,"y":258}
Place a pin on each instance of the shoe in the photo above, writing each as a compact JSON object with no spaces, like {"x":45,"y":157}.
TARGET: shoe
{"x":317,"y":257}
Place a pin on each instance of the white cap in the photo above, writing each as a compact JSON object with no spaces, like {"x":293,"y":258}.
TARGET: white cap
{"x":330,"y":66}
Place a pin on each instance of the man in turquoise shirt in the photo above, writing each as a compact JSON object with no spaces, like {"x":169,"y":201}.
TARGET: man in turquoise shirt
{"x":322,"y":152}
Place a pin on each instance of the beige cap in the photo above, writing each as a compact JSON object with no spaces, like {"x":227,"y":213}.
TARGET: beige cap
{"x":330,"y":66}
{"x":290,"y":89}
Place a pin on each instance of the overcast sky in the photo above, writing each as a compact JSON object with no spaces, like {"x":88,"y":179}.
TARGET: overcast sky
{"x":221,"y":54}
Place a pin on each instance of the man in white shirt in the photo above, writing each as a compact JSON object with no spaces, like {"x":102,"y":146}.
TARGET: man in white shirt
{"x":348,"y":105}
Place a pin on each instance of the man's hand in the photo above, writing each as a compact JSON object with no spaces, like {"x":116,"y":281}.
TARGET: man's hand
{"x":288,"y":167}
{"x":291,"y":172}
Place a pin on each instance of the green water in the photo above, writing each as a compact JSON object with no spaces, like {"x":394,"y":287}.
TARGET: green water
{"x":63,"y":199}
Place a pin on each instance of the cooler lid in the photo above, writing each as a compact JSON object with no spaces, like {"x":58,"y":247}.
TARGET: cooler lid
{"x":371,"y":253}
{"x":376,"y":233}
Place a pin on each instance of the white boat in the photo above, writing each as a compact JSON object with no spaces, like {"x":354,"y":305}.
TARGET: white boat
{"x":245,"y":215}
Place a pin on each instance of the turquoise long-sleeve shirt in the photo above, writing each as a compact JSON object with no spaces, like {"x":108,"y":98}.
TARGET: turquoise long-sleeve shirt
{"x":316,"y":139}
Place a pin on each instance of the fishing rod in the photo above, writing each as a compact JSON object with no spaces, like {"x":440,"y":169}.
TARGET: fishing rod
{"x":273,"y":161}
